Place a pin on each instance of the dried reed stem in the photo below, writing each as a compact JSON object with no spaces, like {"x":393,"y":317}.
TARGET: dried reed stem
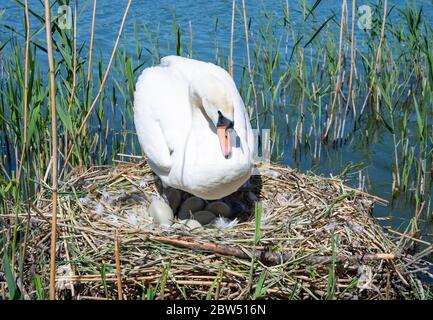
{"x":338,"y":82}
{"x":74,"y":73}
{"x":352,"y":62}
{"x":24,"y":247}
{"x":74,"y":68}
{"x":92,"y":35}
{"x":382,"y":35}
{"x":232,"y":31}
{"x":101,"y":88}
{"x":54,"y":148}
{"x":26,"y":89}
{"x":265,"y":256}
{"x":89,"y":63}
{"x":249,"y":64}
{"x":104,"y":80}
{"x":118,"y":271}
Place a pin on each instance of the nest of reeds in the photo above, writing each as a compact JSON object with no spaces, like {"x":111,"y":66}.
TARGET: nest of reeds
{"x":316,"y":238}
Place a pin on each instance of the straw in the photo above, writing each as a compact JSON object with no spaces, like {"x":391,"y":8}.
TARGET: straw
{"x":317,"y":240}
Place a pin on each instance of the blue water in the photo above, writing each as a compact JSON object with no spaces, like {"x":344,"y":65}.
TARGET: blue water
{"x":211,"y":23}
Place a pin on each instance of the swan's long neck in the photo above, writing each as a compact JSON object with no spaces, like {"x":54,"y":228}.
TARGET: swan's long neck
{"x":197,"y":118}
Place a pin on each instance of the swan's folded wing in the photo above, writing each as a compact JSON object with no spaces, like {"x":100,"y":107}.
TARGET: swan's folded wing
{"x":155,"y":147}
{"x":148,"y":127}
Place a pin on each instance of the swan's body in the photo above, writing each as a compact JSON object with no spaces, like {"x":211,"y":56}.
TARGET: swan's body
{"x":178,"y":107}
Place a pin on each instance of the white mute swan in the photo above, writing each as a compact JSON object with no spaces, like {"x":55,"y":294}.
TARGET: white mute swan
{"x":193,"y":127}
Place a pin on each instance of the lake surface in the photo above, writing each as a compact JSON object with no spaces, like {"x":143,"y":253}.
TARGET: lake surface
{"x":210,"y":23}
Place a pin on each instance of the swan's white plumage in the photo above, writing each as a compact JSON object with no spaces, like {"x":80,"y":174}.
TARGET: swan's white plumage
{"x":179,"y":139}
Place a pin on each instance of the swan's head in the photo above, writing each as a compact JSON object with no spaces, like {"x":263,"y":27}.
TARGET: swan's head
{"x":213,"y":96}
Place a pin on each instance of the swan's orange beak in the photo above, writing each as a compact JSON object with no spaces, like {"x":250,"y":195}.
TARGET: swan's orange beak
{"x":224,"y":139}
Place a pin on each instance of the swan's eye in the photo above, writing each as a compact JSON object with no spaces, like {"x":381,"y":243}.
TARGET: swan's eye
{"x":224,"y":122}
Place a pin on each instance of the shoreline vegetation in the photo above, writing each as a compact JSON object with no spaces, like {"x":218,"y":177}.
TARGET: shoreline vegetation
{"x":327,"y":89}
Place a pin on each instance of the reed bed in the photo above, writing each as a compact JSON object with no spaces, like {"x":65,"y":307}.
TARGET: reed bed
{"x":303,"y":237}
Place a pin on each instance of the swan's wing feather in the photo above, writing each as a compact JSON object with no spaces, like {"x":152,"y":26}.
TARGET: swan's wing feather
{"x":147,"y":122}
